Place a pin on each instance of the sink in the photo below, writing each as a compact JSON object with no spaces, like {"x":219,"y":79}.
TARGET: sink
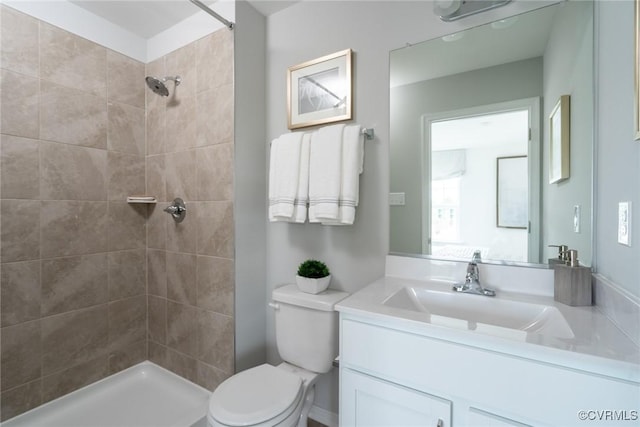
{"x":482,"y":314}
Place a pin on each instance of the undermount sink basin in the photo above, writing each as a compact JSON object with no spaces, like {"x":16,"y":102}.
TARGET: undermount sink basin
{"x":482,"y":314}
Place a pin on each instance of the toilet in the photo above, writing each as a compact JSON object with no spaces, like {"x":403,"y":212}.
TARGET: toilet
{"x":307,"y":339}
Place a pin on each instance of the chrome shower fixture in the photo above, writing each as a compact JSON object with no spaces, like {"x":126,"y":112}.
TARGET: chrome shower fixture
{"x":158,"y":85}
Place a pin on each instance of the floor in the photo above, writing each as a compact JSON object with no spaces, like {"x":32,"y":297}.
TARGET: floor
{"x":314,"y":423}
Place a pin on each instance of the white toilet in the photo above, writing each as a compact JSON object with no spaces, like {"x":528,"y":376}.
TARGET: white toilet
{"x":307,"y":337}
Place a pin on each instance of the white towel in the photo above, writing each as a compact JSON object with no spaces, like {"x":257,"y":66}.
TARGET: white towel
{"x":351,"y":168}
{"x":302,"y":195}
{"x":325,"y":169}
{"x":284,"y":171}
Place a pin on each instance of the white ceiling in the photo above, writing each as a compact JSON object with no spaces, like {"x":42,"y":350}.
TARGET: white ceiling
{"x":147,"y":18}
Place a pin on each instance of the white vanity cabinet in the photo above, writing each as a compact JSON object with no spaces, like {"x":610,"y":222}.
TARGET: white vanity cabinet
{"x":391,"y":375}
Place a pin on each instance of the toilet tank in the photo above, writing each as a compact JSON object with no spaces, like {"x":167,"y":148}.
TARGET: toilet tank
{"x":307,"y":327}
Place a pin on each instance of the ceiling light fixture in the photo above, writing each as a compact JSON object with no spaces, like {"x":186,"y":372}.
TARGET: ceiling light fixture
{"x":451,"y":10}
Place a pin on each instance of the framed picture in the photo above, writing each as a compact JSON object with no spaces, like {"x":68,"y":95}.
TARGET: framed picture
{"x":512,"y":195}
{"x":637,"y":68}
{"x":319,"y":91}
{"x":559,"y":138}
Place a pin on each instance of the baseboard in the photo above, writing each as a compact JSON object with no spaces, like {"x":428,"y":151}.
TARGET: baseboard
{"x":620,"y":306}
{"x":323,"y":416}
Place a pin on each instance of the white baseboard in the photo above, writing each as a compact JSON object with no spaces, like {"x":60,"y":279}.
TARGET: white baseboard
{"x":323,"y":416}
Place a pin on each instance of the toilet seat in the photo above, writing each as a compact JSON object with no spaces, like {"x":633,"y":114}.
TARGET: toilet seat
{"x":255,"y":396}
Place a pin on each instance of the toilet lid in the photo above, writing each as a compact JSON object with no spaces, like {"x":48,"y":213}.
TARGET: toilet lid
{"x":254,"y":396}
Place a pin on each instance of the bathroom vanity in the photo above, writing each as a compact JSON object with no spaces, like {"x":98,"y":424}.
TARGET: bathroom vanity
{"x":412,"y":352}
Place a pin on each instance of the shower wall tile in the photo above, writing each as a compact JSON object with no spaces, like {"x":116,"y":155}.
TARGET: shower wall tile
{"x":216,"y":340}
{"x":155,"y":128}
{"x":125,"y":79}
{"x":157,"y":319}
{"x":126,"y":129}
{"x":215,"y":60}
{"x":156,"y":180}
{"x":215,"y":284}
{"x":215,"y":229}
{"x":174,"y":361}
{"x":181,"y":277}
{"x":182,"y":328}
{"x":72,"y":61}
{"x":73,"y":283}
{"x":180,"y":126}
{"x":73,"y":228}
{"x":215,"y":172}
{"x":19,"y":97}
{"x":215,"y":116}
{"x":127,"y":323}
{"x":127,"y":274}
{"x":157,"y":222}
{"x":83,"y":374}
{"x":209,"y":376}
{"x":126,"y":227}
{"x":21,"y":352}
{"x":157,"y":273}
{"x":181,"y":237}
{"x":181,"y":175}
{"x":73,"y":338}
{"x":20,"y":399}
{"x":19,"y":230}
{"x":19,"y":42}
{"x":20,"y":292}
{"x":126,"y":175}
{"x":182,"y":62}
{"x":19,"y":168}
{"x":69,"y":172}
{"x":127,"y":356}
{"x":72,"y":116}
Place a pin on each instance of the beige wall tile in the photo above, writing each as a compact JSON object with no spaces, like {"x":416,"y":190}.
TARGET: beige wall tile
{"x":182,"y":62}
{"x":181,"y":277}
{"x":127,"y":276}
{"x":68,"y":172}
{"x":72,"y":116}
{"x":215,"y":172}
{"x":174,"y":361}
{"x":214,"y":60}
{"x":19,"y":95}
{"x":181,"y":237}
{"x":19,"y":42}
{"x":126,"y":129}
{"x":216,"y":284}
{"x":73,"y":283}
{"x":73,"y":338}
{"x":216,"y":340}
{"x":21,"y":353}
{"x":20,"y":285}
{"x":20,"y":168}
{"x":127,"y":321}
{"x":215,"y":229}
{"x":68,"y":380}
{"x":157,"y":273}
{"x":181,"y":175}
{"x":182,"y":328}
{"x":157,"y":319}
{"x":126,"y":175}
{"x":20,"y":399}
{"x":157,"y":226}
{"x":125,"y":79}
{"x":156,"y":182}
{"x":127,"y":356}
{"x":155,"y":126}
{"x":180,"y":126}
{"x":19,"y":230}
{"x":209,"y":376}
{"x":215,"y":116}
{"x":72,"y":61}
{"x":73,"y":228}
{"x":126,"y":226}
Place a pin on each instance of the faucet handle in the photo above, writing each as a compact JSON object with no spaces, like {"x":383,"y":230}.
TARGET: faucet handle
{"x":563,"y":252}
{"x":477,"y":257}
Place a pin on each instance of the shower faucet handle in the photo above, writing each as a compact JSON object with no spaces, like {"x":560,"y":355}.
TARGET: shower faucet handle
{"x":178,"y":210}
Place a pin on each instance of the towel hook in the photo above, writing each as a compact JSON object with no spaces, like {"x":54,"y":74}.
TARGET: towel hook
{"x":368,"y":133}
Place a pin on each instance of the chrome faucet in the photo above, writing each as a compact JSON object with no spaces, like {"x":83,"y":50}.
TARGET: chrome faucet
{"x":471,"y":283}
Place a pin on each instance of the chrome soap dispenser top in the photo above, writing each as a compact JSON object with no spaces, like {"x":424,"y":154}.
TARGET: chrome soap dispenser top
{"x":471,"y":283}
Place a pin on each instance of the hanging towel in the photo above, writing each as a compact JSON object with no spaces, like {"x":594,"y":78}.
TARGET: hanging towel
{"x":325,"y":169}
{"x":302,"y":195}
{"x":351,"y":168}
{"x":284,"y":171}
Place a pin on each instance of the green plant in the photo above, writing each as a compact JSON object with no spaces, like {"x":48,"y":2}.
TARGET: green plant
{"x":313,"y":269}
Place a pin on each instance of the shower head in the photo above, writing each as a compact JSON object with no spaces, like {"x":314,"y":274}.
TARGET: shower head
{"x":158,"y":85}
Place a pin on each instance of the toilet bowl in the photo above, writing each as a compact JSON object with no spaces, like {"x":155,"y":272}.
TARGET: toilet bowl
{"x":266,"y":395}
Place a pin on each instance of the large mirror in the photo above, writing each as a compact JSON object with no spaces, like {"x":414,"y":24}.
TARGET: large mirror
{"x":475,"y":125}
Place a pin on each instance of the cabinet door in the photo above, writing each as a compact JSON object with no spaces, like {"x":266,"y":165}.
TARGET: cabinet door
{"x":480,"y":418}
{"x":369,"y":401}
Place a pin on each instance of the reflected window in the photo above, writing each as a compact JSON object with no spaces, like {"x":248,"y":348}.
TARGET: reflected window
{"x":445,"y":210}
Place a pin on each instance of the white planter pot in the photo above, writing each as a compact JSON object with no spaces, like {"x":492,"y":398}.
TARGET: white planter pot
{"x":313,"y":286}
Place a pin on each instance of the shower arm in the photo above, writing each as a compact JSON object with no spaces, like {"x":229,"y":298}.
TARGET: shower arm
{"x":206,"y":8}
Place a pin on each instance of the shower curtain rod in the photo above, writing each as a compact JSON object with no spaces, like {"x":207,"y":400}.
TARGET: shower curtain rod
{"x":206,"y":8}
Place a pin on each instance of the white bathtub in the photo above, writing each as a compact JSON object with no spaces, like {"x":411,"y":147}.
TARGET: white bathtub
{"x":144,"y":395}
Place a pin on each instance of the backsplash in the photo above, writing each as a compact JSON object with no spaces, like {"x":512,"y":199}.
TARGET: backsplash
{"x":619,"y":306}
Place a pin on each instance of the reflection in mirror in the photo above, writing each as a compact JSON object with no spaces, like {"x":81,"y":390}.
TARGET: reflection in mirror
{"x":469,"y":139}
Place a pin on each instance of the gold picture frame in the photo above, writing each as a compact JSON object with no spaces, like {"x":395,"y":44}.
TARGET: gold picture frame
{"x":637,"y":70}
{"x":320,"y":91}
{"x":559,"y":140}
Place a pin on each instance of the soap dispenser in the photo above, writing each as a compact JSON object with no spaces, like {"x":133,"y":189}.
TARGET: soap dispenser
{"x":572,"y":282}
{"x":563,"y":255}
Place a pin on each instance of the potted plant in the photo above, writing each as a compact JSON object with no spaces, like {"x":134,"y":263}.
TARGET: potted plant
{"x":313,"y":276}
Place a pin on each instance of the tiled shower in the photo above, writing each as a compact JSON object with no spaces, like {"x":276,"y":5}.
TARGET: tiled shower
{"x":90,"y":284}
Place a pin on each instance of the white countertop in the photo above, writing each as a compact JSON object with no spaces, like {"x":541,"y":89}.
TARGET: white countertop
{"x":597,"y":346}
